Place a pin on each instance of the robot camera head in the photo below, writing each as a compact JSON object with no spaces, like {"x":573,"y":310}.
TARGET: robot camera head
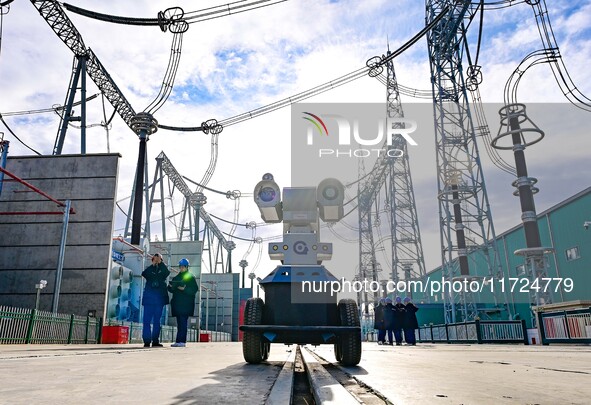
{"x":330,"y":195}
{"x":267,"y":196}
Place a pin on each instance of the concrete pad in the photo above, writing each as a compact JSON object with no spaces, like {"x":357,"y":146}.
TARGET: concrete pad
{"x":201,"y":373}
{"x":475,"y":374}
{"x":325,"y":388}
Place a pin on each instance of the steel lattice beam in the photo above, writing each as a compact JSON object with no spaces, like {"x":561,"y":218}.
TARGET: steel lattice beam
{"x":464,"y":210}
{"x":408,"y":261}
{"x":392,"y":177}
{"x":59,"y":22}
{"x":174,"y":176}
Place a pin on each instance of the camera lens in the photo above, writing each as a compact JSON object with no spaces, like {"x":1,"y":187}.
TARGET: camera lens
{"x":267,"y":194}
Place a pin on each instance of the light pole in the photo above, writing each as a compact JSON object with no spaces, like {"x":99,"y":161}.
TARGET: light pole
{"x":42,"y":284}
{"x":243,"y":263}
{"x":222,"y":323}
{"x":207,"y":291}
{"x":258,"y":285}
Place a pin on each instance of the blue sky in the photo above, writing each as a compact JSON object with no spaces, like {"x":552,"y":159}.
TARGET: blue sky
{"x":234,"y":64}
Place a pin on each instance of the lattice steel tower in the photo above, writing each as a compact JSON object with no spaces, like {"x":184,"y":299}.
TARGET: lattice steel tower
{"x":392,"y":175}
{"x":464,"y":210}
{"x":408,"y":262}
{"x":368,"y":265}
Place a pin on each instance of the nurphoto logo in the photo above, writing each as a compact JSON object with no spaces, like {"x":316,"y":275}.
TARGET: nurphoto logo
{"x":385,"y":139}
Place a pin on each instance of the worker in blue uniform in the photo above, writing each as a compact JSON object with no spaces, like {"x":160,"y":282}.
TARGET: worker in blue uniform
{"x":410,"y":321}
{"x":399,"y":315}
{"x":389,"y":319}
{"x":183,"y":287}
{"x":154,"y":299}
{"x":378,"y":313}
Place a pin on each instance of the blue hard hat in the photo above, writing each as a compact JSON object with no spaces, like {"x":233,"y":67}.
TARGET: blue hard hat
{"x":184,"y":262}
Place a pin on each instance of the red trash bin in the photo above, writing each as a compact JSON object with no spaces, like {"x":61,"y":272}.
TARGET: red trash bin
{"x":204,"y":337}
{"x":115,"y":334}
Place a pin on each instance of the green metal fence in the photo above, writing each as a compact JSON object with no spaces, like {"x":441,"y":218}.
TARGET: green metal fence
{"x":23,"y":325}
{"x":475,"y":332}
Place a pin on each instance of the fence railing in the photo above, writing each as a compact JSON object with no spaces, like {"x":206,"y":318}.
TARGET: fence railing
{"x":168,"y":333}
{"x":23,"y":325}
{"x":475,"y":332}
{"x":572,"y":326}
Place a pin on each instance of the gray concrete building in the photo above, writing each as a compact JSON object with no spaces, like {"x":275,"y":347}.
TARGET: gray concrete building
{"x":31,"y":230}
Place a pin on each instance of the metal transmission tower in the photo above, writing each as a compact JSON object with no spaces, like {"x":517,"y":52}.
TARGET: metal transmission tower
{"x":213,"y":240}
{"x":408,"y":261}
{"x":368,"y":266}
{"x":393,"y":175}
{"x":464,"y":210}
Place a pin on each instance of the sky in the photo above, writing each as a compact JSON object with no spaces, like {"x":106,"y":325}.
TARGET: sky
{"x":238,"y":63}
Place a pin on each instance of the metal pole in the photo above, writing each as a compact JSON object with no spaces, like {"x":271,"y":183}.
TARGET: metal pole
{"x":199,"y":314}
{"x":216,"y":311}
{"x":38,"y":298}
{"x":136,"y":224}
{"x":222,"y":324}
{"x":82,"y":62}
{"x":60,"y":263}
{"x":67,"y":117}
{"x":4,"y":147}
{"x":146,"y":190}
{"x":207,"y":309}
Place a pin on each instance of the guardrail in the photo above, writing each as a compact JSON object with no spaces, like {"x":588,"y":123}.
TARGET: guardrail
{"x":23,"y":325}
{"x":475,"y":332}
{"x":573,"y":326}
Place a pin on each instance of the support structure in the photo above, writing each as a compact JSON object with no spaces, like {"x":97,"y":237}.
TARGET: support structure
{"x":408,"y":261}
{"x":3,"y":156}
{"x":464,"y":210}
{"x":390,"y":175}
{"x":78,"y":76}
{"x":513,"y":121}
{"x":143,"y":124}
{"x":194,"y":219}
{"x":368,"y":266}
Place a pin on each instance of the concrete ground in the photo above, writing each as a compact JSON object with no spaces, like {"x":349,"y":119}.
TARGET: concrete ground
{"x":475,"y":374}
{"x":215,"y":373}
{"x":202,"y":373}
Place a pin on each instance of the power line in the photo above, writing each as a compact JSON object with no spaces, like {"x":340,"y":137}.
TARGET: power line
{"x":374,"y":67}
{"x":17,"y":138}
{"x":174,"y":18}
{"x":47,"y":110}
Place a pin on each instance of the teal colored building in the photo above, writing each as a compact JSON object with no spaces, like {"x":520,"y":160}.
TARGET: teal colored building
{"x":565,"y":227}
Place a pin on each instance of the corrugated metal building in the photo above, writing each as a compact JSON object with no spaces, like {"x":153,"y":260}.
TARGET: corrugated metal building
{"x":569,"y":265}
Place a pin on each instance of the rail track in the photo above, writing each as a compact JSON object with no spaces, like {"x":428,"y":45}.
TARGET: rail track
{"x":306,"y":378}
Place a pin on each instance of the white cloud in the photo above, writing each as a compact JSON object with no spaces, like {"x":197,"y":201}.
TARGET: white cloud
{"x":235,"y":64}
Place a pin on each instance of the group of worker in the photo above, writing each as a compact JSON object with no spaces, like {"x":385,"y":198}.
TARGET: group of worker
{"x":395,"y":319}
{"x":183,"y":287}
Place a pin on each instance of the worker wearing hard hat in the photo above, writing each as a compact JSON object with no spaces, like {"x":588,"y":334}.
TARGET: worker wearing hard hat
{"x":183,"y":287}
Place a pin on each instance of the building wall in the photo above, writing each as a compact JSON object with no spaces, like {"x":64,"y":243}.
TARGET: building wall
{"x":226,"y":286}
{"x":561,"y":227}
{"x":29,"y":244}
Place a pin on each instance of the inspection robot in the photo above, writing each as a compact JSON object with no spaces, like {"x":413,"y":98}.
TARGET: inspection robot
{"x":300,"y":308}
